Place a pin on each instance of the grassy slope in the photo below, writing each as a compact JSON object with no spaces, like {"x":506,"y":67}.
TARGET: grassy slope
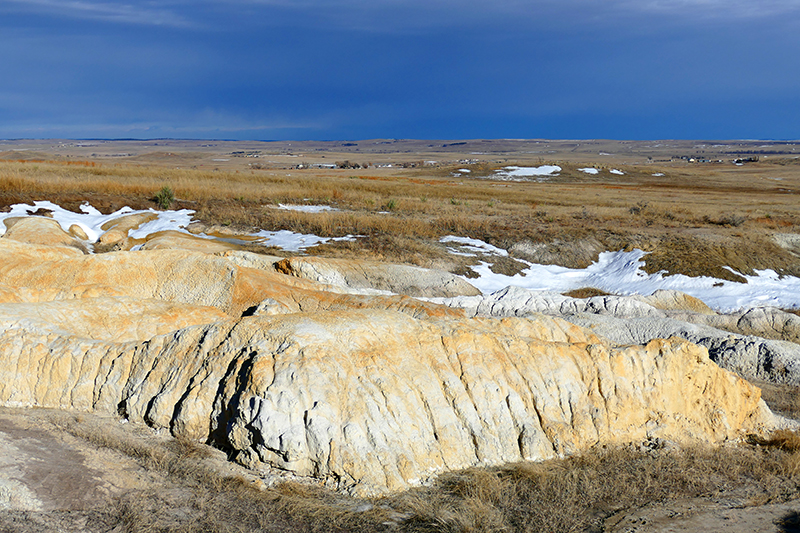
{"x":694,"y":220}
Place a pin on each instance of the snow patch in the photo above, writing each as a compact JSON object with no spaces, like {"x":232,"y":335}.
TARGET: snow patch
{"x":294,"y":242}
{"x":306,"y":208}
{"x":617,"y":172}
{"x":522,"y":173}
{"x":472,"y":247}
{"x":91,"y":221}
{"x":589,"y":170}
{"x":621,"y":273}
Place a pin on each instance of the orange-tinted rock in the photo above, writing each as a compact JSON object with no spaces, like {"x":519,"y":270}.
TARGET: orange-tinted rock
{"x":40,"y":230}
{"x":400,"y":279}
{"x":373,"y":392}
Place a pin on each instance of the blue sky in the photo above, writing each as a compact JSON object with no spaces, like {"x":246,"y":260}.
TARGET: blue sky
{"x":432,"y":69}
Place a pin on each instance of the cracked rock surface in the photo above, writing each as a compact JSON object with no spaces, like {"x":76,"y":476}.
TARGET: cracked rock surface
{"x":370,"y":392}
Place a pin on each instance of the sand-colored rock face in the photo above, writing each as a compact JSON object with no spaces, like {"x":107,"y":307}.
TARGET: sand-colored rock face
{"x":44,"y":231}
{"x":371,"y":392}
{"x":402,"y":279}
{"x":381,"y":399}
{"x":175,"y":276}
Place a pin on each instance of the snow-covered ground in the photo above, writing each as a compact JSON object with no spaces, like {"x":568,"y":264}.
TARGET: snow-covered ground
{"x":613,"y":272}
{"x":525,"y":173}
{"x":306,"y":208}
{"x":90,"y":220}
{"x":589,"y":170}
{"x":621,"y":273}
{"x":472,"y":247}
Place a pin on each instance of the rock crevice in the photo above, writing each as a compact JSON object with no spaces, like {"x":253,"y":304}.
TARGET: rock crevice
{"x":371,"y":393}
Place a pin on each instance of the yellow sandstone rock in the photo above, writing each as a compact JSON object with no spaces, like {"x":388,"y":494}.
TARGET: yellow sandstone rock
{"x":40,"y":230}
{"x":370,"y":392}
{"x":117,"y":230}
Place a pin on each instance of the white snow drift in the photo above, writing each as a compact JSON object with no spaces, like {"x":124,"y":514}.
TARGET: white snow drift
{"x":90,"y":220}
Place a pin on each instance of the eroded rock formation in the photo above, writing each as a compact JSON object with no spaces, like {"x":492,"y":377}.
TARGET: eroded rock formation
{"x":374,"y":392}
{"x":757,"y":343}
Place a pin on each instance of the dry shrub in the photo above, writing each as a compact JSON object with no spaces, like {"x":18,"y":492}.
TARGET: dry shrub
{"x":575,"y":494}
{"x":586,"y":292}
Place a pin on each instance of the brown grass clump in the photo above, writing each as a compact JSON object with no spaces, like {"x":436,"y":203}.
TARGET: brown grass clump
{"x":576,"y":494}
{"x":586,"y":292}
{"x":563,"y":495}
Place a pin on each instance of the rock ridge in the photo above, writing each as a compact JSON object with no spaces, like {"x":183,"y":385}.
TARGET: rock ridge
{"x":368,"y":392}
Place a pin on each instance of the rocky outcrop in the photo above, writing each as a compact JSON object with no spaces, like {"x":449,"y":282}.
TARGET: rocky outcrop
{"x":380,"y":399}
{"x":368,"y":392}
{"x":398,"y":279}
{"x":757,"y":343}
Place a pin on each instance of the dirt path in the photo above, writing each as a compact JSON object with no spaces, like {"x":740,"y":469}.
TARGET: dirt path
{"x":691,"y":516}
{"x":52,"y":481}
{"x":45,"y":472}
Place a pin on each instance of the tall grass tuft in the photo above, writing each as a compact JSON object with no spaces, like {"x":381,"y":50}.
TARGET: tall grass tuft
{"x":165,"y":197}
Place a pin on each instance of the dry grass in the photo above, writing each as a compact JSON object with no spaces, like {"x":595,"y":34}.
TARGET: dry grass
{"x":565,"y":495}
{"x":695,"y":221}
{"x":781,"y":398}
{"x":576,"y":494}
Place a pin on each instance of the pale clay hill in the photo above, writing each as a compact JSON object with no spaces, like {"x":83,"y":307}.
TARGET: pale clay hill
{"x":311,"y":366}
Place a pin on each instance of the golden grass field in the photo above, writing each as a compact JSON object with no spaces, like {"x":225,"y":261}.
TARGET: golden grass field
{"x":694,"y":218}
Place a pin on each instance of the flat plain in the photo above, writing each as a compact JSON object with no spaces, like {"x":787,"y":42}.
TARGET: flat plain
{"x":695,"y":206}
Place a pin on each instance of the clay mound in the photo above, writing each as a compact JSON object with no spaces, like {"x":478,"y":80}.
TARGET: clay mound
{"x":399,"y":279}
{"x":43,"y":231}
{"x":371,"y":393}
